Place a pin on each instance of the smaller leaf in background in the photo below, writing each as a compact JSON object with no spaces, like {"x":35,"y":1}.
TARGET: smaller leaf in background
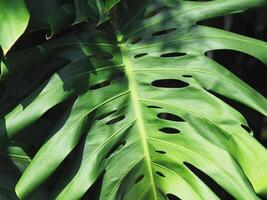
{"x":3,"y":70}
{"x":110,"y":3}
{"x":60,"y":19}
{"x":19,"y":157}
{"x":14,"y":18}
{"x":95,"y":10}
{"x":82,"y":11}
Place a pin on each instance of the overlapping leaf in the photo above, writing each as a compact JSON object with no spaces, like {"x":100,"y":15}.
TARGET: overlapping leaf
{"x":96,"y":10}
{"x":14,"y":18}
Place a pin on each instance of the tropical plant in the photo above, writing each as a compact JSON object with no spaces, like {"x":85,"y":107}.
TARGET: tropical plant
{"x":135,"y":101}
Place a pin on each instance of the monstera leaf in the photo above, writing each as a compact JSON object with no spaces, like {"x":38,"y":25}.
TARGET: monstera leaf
{"x":145,"y":121}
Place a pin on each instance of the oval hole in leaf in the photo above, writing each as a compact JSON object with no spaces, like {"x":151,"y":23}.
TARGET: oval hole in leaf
{"x":139,"y":178}
{"x":170,"y":117}
{"x":169,"y":83}
{"x":102,"y":56}
{"x":161,"y":152}
{"x":160,"y":174}
{"x":169,"y":130}
{"x":115,"y":120}
{"x":118,"y":75}
{"x":136,"y":40}
{"x":116,"y":148}
{"x":163,"y":32}
{"x":246,"y":128}
{"x":214,"y":186}
{"x":140,"y":55}
{"x":153,"y":106}
{"x":172,"y":54}
{"x":172,"y":197}
{"x":105,"y":115}
{"x":107,"y":82}
{"x":100,"y":85}
{"x":188,"y":76}
{"x":155,"y":12}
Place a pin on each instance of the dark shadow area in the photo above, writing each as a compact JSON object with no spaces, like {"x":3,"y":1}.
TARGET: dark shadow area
{"x":63,"y":174}
{"x":247,"y":68}
{"x":9,"y":177}
{"x":251,"y":23}
{"x":41,"y":130}
{"x":94,"y":192}
{"x":172,"y":197}
{"x":215,"y":187}
{"x":68,"y":169}
{"x":18,"y":87}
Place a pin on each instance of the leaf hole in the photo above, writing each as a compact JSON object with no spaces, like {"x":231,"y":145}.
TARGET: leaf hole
{"x":161,"y":152}
{"x":107,"y":82}
{"x":155,"y":12}
{"x":172,"y":197}
{"x":151,"y":106}
{"x":100,"y":117}
{"x":172,"y":54}
{"x":115,"y":120}
{"x":136,"y":40}
{"x":118,"y":75}
{"x":160,"y":174}
{"x":169,"y":83}
{"x":140,"y":55}
{"x":139,"y":178}
{"x":187,"y":76}
{"x":246,"y":128}
{"x":170,"y":117}
{"x":163,"y":32}
{"x":169,"y":130}
{"x":100,"y":85}
{"x":116,"y":148}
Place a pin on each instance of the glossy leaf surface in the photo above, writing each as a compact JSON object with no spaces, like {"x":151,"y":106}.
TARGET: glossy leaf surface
{"x":14,"y":18}
{"x":145,"y":118}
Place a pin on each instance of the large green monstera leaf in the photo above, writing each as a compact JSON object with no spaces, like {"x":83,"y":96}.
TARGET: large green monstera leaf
{"x":145,"y":118}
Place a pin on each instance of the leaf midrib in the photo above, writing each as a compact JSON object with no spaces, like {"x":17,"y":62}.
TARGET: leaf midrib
{"x":138,"y":113}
